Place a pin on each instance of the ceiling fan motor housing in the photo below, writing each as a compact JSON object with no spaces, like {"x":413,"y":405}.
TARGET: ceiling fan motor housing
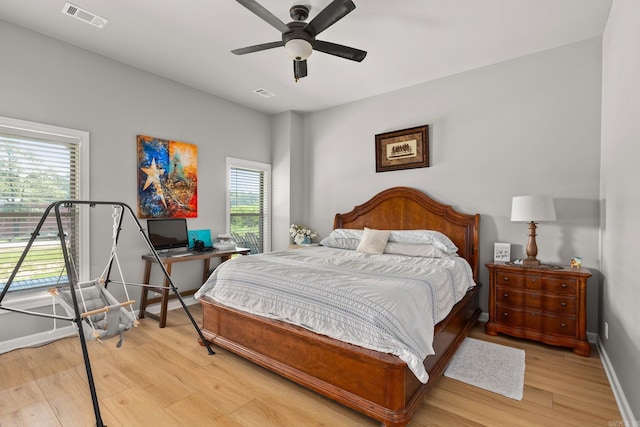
{"x":297,"y":32}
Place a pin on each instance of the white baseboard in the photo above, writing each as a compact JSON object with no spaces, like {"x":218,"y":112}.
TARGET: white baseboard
{"x":628,"y":419}
{"x":38,"y":339}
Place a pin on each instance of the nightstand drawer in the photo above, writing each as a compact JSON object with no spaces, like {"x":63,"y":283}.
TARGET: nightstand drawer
{"x":519,"y":281}
{"x":510,"y":316}
{"x":535,"y":300}
{"x":519,"y":318}
{"x":513,"y":280}
{"x":509,"y":296}
{"x":536,"y":320}
{"x":559,"y":325}
{"x":533,"y":282}
{"x":560,"y":286}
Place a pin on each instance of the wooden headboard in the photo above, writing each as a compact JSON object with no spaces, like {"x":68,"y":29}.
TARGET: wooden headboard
{"x":404,"y":208}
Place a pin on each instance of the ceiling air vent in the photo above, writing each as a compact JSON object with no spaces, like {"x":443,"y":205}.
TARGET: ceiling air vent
{"x":84,"y":15}
{"x":264,"y":93}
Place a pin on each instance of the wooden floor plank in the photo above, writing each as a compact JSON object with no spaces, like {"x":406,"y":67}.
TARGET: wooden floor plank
{"x":163,"y":377}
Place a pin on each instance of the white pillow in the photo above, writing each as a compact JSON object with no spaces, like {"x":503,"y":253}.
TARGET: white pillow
{"x":424,"y":237}
{"x":373,"y":241}
{"x":411,"y":249}
{"x":347,"y":238}
{"x":340,"y":242}
{"x":343,"y":238}
{"x":346,"y":233}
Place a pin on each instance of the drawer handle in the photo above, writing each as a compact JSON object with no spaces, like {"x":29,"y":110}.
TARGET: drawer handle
{"x":564,"y":304}
{"x":564,"y":285}
{"x":564,"y":325}
{"x":506,"y":279}
{"x":506,"y":295}
{"x":505,"y":314}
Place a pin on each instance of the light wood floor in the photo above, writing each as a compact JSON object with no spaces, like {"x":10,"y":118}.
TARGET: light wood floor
{"x":162,"y":377}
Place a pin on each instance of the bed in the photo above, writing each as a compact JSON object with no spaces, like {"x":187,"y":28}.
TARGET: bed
{"x":378,"y":384}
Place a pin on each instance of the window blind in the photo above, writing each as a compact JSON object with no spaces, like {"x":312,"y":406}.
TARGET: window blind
{"x":36,"y":170}
{"x":247,"y":210}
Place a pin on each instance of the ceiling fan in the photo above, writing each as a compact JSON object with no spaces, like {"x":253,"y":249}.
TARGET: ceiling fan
{"x":299,"y":37}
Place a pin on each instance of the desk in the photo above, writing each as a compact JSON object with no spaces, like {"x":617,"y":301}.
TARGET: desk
{"x":168,"y":261}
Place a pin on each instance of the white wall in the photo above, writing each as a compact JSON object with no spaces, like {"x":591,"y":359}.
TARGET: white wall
{"x":526,"y":126}
{"x":620,"y":220}
{"x":288,"y":176}
{"x":47,"y":81}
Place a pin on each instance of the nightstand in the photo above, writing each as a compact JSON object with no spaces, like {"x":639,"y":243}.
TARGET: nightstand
{"x":542,"y":304}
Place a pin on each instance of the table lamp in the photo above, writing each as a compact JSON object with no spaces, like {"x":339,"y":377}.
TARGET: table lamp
{"x":532,"y":209}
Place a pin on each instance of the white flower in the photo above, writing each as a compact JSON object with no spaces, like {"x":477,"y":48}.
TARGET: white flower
{"x":301,"y":233}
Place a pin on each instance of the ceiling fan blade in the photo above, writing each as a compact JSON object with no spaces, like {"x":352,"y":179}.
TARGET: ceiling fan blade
{"x":263,"y":13}
{"x":257,"y":48}
{"x":299,"y":69}
{"x":339,"y":50}
{"x":331,"y":14}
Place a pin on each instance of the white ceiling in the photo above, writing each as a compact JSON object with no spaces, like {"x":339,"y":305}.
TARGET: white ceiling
{"x":408,"y":42}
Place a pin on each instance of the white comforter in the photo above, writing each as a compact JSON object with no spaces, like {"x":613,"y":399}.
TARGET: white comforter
{"x":387,"y":303}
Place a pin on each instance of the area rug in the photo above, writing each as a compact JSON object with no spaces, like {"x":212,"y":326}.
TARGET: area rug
{"x":493,"y":367}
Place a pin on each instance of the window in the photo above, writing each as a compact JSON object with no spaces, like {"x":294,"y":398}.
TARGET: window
{"x":41,"y":164}
{"x":248,"y":207}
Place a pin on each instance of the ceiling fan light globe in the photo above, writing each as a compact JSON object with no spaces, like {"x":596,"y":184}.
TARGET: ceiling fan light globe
{"x":298,"y":49}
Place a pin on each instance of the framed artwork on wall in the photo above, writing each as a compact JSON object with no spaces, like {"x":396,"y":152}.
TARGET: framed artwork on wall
{"x":402,"y":149}
{"x":167,"y":178}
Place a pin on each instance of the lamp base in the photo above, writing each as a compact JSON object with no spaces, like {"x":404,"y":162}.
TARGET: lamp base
{"x":532,"y":248}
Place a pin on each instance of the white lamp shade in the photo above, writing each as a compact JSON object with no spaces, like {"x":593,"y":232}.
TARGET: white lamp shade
{"x":298,"y":49}
{"x":533,"y":208}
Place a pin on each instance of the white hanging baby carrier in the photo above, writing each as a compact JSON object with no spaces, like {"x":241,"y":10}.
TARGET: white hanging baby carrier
{"x":103,"y":315}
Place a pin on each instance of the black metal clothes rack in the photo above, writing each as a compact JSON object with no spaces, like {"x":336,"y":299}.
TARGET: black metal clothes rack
{"x":73,"y":282}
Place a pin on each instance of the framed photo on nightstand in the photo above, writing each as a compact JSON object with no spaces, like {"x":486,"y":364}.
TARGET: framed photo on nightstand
{"x":501,"y":252}
{"x":576,"y":262}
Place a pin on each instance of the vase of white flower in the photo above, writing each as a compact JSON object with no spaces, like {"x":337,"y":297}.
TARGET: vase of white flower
{"x":301,"y":234}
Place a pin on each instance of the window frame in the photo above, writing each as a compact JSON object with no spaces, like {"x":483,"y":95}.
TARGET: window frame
{"x":24,"y":298}
{"x":258,"y":166}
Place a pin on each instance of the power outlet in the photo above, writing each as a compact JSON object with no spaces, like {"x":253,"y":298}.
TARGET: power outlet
{"x":606,"y":330}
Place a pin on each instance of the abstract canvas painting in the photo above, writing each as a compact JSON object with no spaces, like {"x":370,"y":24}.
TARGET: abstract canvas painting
{"x":167,"y":178}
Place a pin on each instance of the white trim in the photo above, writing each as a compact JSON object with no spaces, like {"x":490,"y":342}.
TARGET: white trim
{"x":39,"y":298}
{"x":67,"y":135}
{"x":27,"y":300}
{"x":38,"y":339}
{"x":249,"y":164}
{"x":31,"y":300}
{"x":628,"y":418}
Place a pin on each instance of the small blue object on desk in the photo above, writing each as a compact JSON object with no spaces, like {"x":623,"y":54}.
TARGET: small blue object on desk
{"x":203,"y":235}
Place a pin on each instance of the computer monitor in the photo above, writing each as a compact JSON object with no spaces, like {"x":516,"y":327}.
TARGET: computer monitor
{"x":168,"y":233}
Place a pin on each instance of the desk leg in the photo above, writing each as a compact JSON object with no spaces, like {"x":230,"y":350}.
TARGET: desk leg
{"x":205,"y":269}
{"x":145,"y":289}
{"x":165,"y":298}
